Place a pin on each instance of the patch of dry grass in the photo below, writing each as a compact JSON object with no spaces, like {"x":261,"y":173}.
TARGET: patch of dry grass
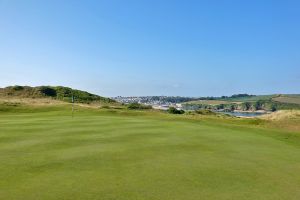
{"x":282,"y":115}
{"x":286,"y":119}
{"x":36,"y":102}
{"x":31,"y":101}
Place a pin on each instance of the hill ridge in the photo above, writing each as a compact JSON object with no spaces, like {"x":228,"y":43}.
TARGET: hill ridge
{"x":55,"y":92}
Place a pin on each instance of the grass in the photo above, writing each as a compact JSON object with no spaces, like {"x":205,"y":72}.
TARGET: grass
{"x":288,"y":99}
{"x":251,"y":98}
{"x":260,"y":102}
{"x":208,"y":102}
{"x":284,"y":119}
{"x":52,"y":92}
{"x":119,"y":154}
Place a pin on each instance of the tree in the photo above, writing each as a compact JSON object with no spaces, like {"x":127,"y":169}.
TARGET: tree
{"x":247,"y":105}
{"x":273,"y":108}
{"x":221,"y":106}
{"x":232,"y":107}
{"x":258,"y":105}
{"x":48,"y":91}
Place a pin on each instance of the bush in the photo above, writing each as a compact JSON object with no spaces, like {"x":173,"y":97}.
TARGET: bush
{"x":273,"y":108}
{"x":205,"y":112}
{"x":17,"y":87}
{"x":259,"y":105}
{"x":173,"y":110}
{"x":137,"y":106}
{"x":48,"y":91}
{"x":246,"y":105}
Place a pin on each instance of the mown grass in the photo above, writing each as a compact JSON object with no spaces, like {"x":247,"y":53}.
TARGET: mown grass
{"x":125,"y":155}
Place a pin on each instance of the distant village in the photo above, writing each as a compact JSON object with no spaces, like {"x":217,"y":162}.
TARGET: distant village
{"x":164,"y":102}
{"x":157,"y":102}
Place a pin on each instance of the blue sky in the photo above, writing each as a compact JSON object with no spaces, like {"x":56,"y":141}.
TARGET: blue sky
{"x":154,"y":47}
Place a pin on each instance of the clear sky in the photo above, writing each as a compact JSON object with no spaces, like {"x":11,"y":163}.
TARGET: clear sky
{"x":153,"y":47}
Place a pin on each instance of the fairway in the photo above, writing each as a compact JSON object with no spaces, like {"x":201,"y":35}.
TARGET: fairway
{"x":114,"y":155}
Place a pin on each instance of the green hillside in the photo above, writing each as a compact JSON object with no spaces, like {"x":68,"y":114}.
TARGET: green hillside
{"x":53,"y":92}
{"x":292,"y":99}
{"x":248,"y":103}
{"x":249,"y":98}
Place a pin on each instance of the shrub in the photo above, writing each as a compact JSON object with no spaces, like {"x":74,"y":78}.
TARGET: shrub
{"x":259,"y":105}
{"x":247,"y":105}
{"x":17,"y":87}
{"x":230,"y":107}
{"x":48,"y":91}
{"x":221,"y":106}
{"x":273,"y":108}
{"x":173,"y":110}
{"x":205,"y":112}
{"x":137,"y":106}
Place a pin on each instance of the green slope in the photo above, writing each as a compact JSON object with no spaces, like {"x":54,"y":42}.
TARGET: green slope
{"x":251,"y":98}
{"x":108,"y":154}
{"x":55,"y":92}
{"x":291,"y":99}
{"x":259,"y":102}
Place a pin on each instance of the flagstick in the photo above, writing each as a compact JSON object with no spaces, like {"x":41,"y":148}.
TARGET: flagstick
{"x":72,"y":106}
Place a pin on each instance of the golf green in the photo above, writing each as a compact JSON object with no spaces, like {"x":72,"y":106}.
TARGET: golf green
{"x":110,"y":155}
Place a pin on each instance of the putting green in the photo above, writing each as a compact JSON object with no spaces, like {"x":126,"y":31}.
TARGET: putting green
{"x":110,"y":155}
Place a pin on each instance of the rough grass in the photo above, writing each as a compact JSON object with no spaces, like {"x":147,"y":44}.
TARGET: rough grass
{"x":30,"y":101}
{"x":284,"y":119}
{"x":19,"y":102}
{"x":118,"y":154}
{"x":282,"y":115}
